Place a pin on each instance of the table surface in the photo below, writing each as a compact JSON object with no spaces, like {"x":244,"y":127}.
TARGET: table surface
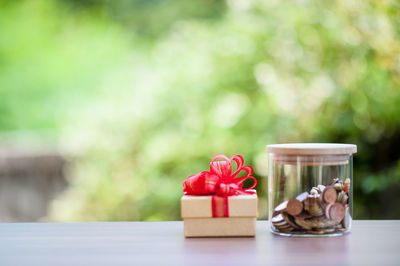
{"x":148,"y":243}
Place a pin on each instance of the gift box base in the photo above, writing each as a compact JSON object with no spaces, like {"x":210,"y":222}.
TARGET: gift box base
{"x":219,"y":227}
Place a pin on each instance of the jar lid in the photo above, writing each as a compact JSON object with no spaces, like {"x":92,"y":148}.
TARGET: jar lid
{"x":312,"y":148}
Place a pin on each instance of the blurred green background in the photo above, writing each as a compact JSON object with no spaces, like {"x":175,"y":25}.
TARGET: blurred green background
{"x":138,"y":95}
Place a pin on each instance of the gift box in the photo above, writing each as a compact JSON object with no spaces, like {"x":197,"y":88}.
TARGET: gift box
{"x":197,"y":213}
{"x":215,"y":202}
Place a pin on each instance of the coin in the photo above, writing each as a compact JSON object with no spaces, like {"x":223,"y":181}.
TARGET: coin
{"x":309,"y":202}
{"x":347,"y":218}
{"x":287,"y":227}
{"x":281,"y":207}
{"x":283,"y":227}
{"x":322,"y":211}
{"x":281,"y":224}
{"x":329,"y":195}
{"x":316,"y":210}
{"x":329,"y":230}
{"x":335,"y":180}
{"x":342,"y":197}
{"x":289,"y":219}
{"x":327,"y":208}
{"x":314,"y":191}
{"x":302,"y":197}
{"x":294,"y":207}
{"x":345,"y":199}
{"x":303,"y":215}
{"x":315,"y":222}
{"x":321,"y":188}
{"x":338,"y":186}
{"x":303,"y":223}
{"x":277,"y":219}
{"x":337,"y":212}
{"x":346,"y":185}
{"x":285,"y":230}
{"x":339,"y":197}
{"x":311,"y":205}
{"x":316,"y":232}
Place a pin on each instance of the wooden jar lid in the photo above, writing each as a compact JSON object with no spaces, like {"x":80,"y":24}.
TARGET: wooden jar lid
{"x":312,"y":153}
{"x":312,"y":149}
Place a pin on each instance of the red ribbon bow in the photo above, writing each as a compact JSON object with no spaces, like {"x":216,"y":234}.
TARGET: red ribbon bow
{"x":220,"y":182}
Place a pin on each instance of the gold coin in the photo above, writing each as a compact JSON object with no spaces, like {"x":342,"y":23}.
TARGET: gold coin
{"x":316,"y":232}
{"x":338,"y":186}
{"x":290,"y":221}
{"x":286,"y":230}
{"x":329,"y":230}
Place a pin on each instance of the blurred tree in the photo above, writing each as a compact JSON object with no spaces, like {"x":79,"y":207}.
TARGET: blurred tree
{"x":51,"y":61}
{"x":225,"y":78}
{"x":150,"y":18}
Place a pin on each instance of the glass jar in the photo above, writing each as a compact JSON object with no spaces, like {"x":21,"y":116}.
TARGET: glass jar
{"x":310,"y":188}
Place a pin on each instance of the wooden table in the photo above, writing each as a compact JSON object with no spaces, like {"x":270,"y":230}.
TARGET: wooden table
{"x":160,"y":243}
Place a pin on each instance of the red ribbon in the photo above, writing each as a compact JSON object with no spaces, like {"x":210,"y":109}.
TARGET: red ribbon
{"x":220,"y":182}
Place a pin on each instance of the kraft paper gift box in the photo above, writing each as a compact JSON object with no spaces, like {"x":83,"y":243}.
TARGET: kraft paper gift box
{"x":203,"y":216}
{"x":216,"y":204}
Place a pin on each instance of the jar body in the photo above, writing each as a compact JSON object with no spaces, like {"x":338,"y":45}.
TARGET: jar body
{"x":310,"y":195}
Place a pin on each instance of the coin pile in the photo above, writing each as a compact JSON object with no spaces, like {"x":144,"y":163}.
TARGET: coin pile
{"x":323,"y":210}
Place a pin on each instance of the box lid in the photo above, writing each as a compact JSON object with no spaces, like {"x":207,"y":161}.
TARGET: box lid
{"x":201,"y":206}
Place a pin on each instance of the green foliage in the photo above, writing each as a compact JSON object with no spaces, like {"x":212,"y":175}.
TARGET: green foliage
{"x":50,"y":62}
{"x":225,"y":80}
